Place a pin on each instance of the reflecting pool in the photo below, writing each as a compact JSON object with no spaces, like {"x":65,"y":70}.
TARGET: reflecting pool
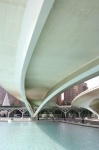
{"x":47,"y":135}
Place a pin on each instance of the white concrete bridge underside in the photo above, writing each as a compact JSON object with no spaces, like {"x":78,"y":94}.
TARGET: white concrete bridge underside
{"x":47,"y":47}
{"x":88,"y":99}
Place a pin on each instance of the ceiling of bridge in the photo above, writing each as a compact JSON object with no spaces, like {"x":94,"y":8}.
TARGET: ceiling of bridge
{"x":11,"y":15}
{"x":68,"y":41}
{"x":88,"y":99}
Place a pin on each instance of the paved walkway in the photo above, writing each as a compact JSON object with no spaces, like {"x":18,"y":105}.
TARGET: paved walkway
{"x":5,"y":119}
{"x":80,"y":124}
{"x":87,"y":122}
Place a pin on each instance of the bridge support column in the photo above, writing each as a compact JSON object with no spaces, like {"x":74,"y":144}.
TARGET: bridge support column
{"x":93,"y":111}
{"x":8,"y":114}
{"x":79,"y":114}
{"x":22,"y":114}
{"x":64,"y":115}
{"x":38,"y":116}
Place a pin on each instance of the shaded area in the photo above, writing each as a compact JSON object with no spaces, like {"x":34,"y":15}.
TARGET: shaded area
{"x":71,"y":137}
{"x":14,"y":112}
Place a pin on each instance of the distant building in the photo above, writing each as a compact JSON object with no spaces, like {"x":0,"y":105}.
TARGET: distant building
{"x":6,"y":101}
{"x":67,"y":97}
{"x":13,"y":101}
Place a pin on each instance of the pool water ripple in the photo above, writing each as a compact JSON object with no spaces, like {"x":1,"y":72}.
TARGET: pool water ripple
{"x":46,"y":135}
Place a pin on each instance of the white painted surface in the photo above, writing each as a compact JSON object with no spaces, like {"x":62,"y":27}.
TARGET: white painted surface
{"x":6,"y":101}
{"x":46,"y":47}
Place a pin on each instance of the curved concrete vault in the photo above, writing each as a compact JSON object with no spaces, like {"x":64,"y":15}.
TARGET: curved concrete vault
{"x":88,"y":99}
{"x":47,"y":47}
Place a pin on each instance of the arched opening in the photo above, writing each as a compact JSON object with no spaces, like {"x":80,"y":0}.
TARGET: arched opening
{"x":58,"y":114}
{"x":43,"y":113}
{"x":72,"y":114}
{"x":26,"y":114}
{"x":15,"y":113}
{"x":95,"y":105}
{"x":3,"y":113}
{"x":86,"y":113}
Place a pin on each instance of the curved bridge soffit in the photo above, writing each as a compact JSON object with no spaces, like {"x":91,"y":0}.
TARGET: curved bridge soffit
{"x":30,"y":32}
{"x":91,"y":70}
{"x":88,"y":100}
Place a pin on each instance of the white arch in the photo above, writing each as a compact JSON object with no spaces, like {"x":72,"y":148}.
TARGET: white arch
{"x":33,"y":22}
{"x":86,"y":99}
{"x":81,"y":77}
{"x":14,"y":110}
{"x":42,"y":54}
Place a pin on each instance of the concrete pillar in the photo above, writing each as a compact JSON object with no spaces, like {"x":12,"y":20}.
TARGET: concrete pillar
{"x":64,"y":115}
{"x":38,"y":116}
{"x":8,"y":114}
{"x":79,"y":114}
{"x":22,"y":114}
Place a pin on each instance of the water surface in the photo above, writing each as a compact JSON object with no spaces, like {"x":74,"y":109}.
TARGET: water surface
{"x":47,"y":135}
